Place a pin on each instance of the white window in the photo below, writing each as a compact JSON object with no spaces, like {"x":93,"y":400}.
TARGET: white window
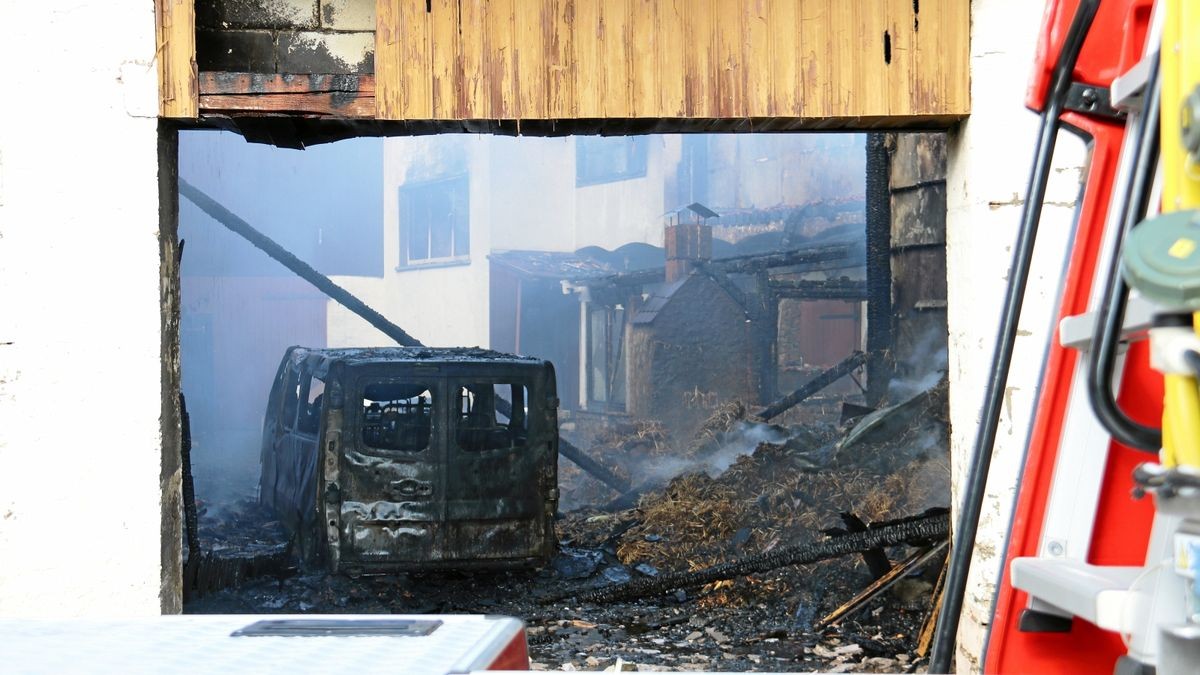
{"x":435,"y":222}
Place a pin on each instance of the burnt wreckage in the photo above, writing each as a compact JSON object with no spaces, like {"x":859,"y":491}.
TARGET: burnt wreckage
{"x":413,"y":457}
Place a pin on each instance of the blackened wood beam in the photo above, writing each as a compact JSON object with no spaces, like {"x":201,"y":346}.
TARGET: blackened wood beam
{"x":284,"y":257}
{"x":814,"y":385}
{"x":880,"y":585}
{"x":853,"y":290}
{"x":924,"y":530}
{"x":879,"y":266}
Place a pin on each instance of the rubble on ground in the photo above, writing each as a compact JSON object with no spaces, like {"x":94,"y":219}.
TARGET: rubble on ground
{"x":736,"y":488}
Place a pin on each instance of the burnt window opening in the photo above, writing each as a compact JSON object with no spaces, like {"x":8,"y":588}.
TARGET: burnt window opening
{"x":309,"y":421}
{"x":291,"y":398}
{"x":435,"y":222}
{"x":397,"y":416}
{"x":607,"y":159}
{"x":606,"y":358}
{"x":480,"y":426}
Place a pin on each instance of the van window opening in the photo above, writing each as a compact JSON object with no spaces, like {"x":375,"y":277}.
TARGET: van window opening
{"x":310,"y":413}
{"x":397,"y":416}
{"x":481,"y":427}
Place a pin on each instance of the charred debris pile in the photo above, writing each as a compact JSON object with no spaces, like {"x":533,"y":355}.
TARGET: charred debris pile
{"x":747,"y":545}
{"x":741,"y":486}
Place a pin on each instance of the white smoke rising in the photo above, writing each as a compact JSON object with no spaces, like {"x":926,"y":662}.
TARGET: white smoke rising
{"x":741,"y":440}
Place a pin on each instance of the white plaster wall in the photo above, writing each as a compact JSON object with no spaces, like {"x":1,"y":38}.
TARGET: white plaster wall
{"x":533,"y":193}
{"x":616,"y":213}
{"x":80,"y":442}
{"x":989,"y":160}
{"x":537,"y":206}
{"x":445,"y":306}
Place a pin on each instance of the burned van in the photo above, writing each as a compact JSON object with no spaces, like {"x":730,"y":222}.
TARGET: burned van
{"x":413,"y":458}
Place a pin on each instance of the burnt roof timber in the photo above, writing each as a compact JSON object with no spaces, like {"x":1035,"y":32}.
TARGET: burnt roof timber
{"x":829,"y":289}
{"x":746,"y":264}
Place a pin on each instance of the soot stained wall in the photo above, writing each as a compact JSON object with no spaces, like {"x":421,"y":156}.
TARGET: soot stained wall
{"x":286,"y":36}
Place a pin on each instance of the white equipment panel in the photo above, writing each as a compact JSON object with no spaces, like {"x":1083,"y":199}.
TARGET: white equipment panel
{"x":293,"y":644}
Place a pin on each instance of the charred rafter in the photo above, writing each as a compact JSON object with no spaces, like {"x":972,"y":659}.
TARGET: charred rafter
{"x":829,"y":289}
{"x":826,"y":378}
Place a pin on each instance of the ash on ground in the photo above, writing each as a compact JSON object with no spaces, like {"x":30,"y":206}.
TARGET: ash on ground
{"x":736,"y":488}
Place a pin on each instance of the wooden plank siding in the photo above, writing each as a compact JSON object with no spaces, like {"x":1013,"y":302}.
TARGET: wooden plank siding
{"x":175,"y":28}
{"x":819,"y":60}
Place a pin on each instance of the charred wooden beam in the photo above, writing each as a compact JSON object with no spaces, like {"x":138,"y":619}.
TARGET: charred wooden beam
{"x":345,"y":96}
{"x":853,"y":290}
{"x":814,"y":385}
{"x":284,"y":257}
{"x":190,"y":518}
{"x":880,"y":585}
{"x":879,"y":266}
{"x":593,"y":467}
{"x":211,"y":571}
{"x":926,"y":529}
{"x":925,"y":639}
{"x":812,"y":257}
{"x":876,"y":559}
{"x":801,"y":256}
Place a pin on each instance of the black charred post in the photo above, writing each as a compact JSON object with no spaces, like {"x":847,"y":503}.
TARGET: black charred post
{"x":303,"y":270}
{"x":190,"y":519}
{"x":879,"y":267}
{"x":767,"y":332}
{"x":814,"y":385}
{"x":928,"y":528}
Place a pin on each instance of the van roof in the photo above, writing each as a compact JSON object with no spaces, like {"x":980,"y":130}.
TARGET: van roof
{"x":367,"y":355}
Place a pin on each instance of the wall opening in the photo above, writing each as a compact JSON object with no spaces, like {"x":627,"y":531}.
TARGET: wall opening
{"x":681,"y":286}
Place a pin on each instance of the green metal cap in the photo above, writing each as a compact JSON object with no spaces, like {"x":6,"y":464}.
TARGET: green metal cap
{"x":1162,"y":259}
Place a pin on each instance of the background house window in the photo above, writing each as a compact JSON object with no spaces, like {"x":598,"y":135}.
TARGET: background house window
{"x":606,"y":358}
{"x":605,"y":159}
{"x":435,"y":221}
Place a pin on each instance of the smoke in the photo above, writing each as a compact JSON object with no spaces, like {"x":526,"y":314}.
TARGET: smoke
{"x":921,"y":364}
{"x":741,"y":440}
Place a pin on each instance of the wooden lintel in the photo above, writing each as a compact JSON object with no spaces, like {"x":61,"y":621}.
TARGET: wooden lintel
{"x":322,"y":95}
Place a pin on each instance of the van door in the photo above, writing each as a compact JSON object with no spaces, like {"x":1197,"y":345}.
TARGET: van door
{"x":277,"y":483}
{"x":390,"y":470}
{"x":303,"y":462}
{"x":494,"y":498}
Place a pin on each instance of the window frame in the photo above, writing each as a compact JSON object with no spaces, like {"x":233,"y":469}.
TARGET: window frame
{"x":404,"y":193}
{"x":638,"y":160}
{"x":303,"y":403}
{"x":433,"y":385}
{"x":455,"y":388}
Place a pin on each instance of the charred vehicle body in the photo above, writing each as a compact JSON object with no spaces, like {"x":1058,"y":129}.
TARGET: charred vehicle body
{"x":413,"y":458}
